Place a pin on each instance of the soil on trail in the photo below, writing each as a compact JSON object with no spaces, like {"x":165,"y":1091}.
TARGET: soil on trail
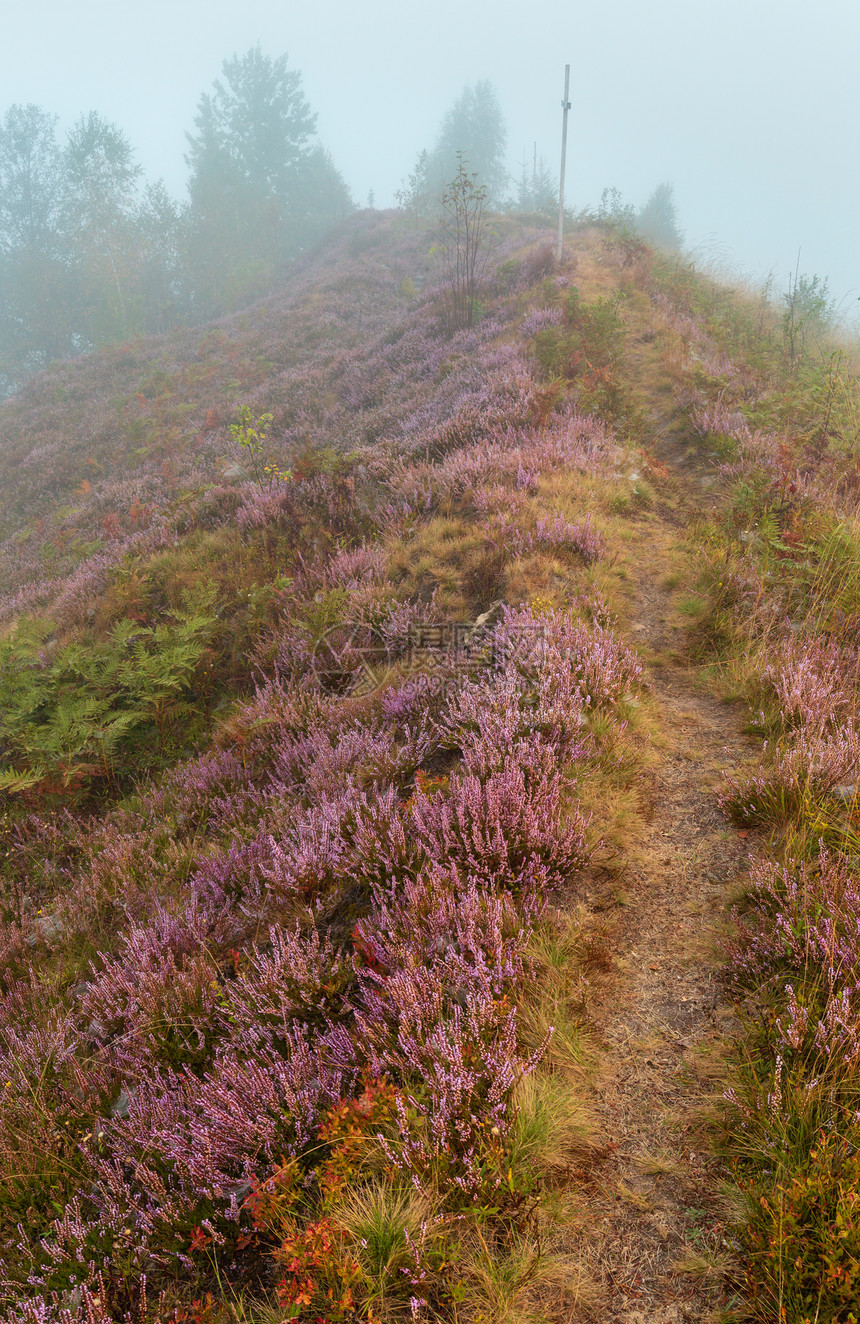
{"x":655,"y":1236}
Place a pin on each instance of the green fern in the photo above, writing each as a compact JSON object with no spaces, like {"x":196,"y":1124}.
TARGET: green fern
{"x":76,"y":712}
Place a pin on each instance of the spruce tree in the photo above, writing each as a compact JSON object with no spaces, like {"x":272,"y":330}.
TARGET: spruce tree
{"x":473,"y":127}
{"x":261,"y":188}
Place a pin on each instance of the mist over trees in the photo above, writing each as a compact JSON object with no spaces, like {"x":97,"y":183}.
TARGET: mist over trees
{"x":84,"y":249}
{"x":260,"y":187}
{"x":472,"y":132}
{"x":91,"y":254}
{"x":537,"y":187}
{"x":474,"y":127}
{"x":657,"y":219}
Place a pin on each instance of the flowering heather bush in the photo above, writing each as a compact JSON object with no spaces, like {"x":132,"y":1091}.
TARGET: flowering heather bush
{"x":332,"y":839}
{"x":91,"y":1308}
{"x":702,"y":349}
{"x":513,"y":723}
{"x":803,"y":923}
{"x":714,"y":362}
{"x":540,"y":318}
{"x":229,"y":883}
{"x":505,"y":831}
{"x":515,"y":455}
{"x":154,"y":1005}
{"x":510,"y":516}
{"x":462,"y":1062}
{"x":721,"y":418}
{"x":351,"y":569}
{"x":302,"y":978}
{"x":470,"y":934}
{"x":206,"y":789}
{"x":326,"y":764}
{"x":187,"y":1145}
{"x":810,"y":687}
{"x":798,"y":774}
{"x":560,"y":533}
{"x":812,"y":681}
{"x":571,"y":440}
{"x":561,"y":655}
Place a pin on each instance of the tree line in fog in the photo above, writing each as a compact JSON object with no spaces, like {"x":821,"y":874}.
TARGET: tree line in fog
{"x":91,"y":253}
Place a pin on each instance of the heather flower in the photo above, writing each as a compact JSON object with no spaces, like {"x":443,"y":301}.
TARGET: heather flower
{"x":504,"y":831}
{"x":459,"y":1061}
{"x":798,"y":771}
{"x":156,"y":1002}
{"x":812,"y":680}
{"x":302,"y":977}
{"x":539,"y":319}
{"x":563,"y":656}
{"x":470,"y":935}
{"x":802,"y":919}
{"x":497,"y":724}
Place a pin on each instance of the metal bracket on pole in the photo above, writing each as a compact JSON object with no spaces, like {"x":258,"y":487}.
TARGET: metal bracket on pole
{"x":565,"y":105}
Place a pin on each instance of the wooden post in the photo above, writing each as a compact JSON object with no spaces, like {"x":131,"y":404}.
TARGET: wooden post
{"x":565,"y":105}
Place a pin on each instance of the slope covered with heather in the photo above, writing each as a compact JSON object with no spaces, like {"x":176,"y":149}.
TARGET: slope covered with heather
{"x":327,"y":756}
{"x":280,"y":826}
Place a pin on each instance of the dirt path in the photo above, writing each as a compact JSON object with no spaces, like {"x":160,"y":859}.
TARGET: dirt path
{"x":655,"y":1224}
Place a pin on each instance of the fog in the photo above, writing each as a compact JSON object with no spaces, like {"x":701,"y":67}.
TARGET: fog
{"x":748,"y":108}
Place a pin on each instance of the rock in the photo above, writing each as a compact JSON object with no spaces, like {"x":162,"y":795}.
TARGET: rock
{"x":846,"y":793}
{"x":49,"y":927}
{"x":489,"y":615}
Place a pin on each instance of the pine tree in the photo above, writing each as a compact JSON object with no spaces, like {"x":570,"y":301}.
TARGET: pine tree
{"x":537,"y":188}
{"x":657,"y":219}
{"x":260,"y":186}
{"x":473,"y":127}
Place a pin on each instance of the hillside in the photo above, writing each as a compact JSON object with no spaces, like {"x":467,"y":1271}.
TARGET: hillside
{"x":429,"y":776}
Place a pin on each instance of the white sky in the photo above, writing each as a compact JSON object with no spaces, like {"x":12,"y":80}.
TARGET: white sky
{"x":749,"y":107}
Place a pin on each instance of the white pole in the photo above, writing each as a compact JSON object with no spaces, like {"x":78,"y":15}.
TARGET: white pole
{"x":565,"y":107}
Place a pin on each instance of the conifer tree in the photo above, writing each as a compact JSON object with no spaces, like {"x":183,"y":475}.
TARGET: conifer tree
{"x":260,"y":186}
{"x":474,"y":128}
{"x":657,"y":219}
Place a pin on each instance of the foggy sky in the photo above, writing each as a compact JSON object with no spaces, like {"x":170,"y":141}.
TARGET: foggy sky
{"x":749,"y":107}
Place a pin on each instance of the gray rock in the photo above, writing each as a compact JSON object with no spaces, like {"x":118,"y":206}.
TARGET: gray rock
{"x":49,"y":927}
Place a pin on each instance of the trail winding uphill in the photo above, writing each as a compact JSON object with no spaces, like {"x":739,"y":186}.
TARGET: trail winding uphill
{"x":655,"y":1235}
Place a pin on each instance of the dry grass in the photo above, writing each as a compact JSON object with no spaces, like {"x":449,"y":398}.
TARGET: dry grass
{"x":661,"y":1164}
{"x":545,"y":581}
{"x":554,"y":1125}
{"x":526,"y":1285}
